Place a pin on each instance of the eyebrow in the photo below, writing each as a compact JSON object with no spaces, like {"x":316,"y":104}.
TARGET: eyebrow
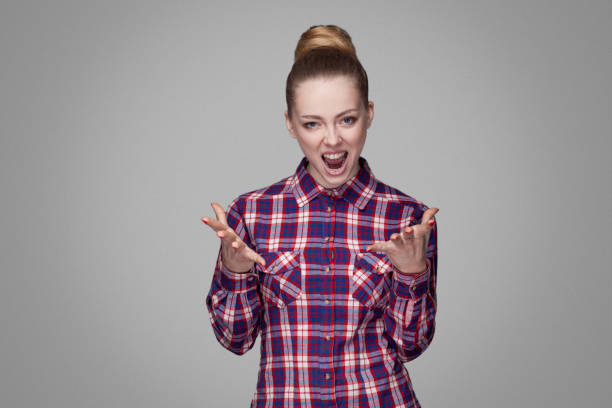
{"x":318,"y":117}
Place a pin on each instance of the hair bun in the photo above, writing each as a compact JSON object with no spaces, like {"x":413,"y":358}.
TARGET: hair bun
{"x":329,"y":36}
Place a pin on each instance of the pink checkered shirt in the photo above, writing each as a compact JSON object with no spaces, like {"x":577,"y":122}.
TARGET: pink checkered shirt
{"x":336,"y":322}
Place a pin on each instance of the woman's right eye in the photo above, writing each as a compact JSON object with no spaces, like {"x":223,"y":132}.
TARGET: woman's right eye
{"x":310,"y":125}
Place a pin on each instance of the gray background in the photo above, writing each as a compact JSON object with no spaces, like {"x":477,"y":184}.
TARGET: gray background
{"x":122,"y":120}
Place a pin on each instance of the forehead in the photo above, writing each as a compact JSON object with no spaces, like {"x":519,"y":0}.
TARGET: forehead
{"x":326,"y":96}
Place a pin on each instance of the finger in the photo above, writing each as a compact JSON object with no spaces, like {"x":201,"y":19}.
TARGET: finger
{"x":428,"y":219}
{"x":419,"y":235}
{"x":247,"y":252}
{"x":408,"y":232}
{"x":255,"y":257}
{"x":214,"y":224}
{"x":237,"y":243}
{"x":219,"y":212}
{"x":397,"y":239}
{"x":380,"y":246}
{"x":227,"y":236}
{"x":407,"y":235}
{"x":401,"y":241}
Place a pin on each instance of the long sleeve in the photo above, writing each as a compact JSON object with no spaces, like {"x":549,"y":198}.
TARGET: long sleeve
{"x":336,"y":320}
{"x":410,"y":316}
{"x":233,"y":302}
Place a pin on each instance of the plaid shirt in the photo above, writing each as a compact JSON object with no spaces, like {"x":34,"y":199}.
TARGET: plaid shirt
{"x":336,"y":322}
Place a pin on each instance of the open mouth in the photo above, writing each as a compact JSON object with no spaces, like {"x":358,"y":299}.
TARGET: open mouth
{"x":335,"y":161}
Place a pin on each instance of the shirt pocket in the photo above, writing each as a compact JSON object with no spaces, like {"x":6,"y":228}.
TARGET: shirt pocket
{"x":371,"y":279}
{"x":280,"y":281}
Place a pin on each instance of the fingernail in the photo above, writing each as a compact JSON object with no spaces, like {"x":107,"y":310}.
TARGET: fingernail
{"x":220,"y":234}
{"x":432,"y":222}
{"x":234,"y":244}
{"x":204,"y":220}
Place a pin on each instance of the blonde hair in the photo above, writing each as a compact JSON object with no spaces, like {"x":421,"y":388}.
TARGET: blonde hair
{"x":324,"y":36}
{"x":325,"y":51}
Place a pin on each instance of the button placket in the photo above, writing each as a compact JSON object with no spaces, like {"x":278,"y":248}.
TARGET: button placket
{"x":329,"y":255}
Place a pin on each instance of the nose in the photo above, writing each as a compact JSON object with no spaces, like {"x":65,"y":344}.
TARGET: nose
{"x":332,"y":137}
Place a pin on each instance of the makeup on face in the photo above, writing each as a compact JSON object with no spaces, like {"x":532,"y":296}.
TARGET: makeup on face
{"x":330,"y":124}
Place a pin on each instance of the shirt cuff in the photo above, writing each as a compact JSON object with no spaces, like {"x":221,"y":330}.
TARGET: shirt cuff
{"x":236,"y":282}
{"x":411,"y":285}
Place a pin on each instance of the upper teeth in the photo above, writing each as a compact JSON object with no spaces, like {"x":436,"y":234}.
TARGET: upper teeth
{"x":333,"y":156}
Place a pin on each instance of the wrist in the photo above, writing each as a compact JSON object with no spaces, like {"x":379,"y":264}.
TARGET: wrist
{"x":232,"y":269}
{"x":419,"y":269}
{"x":235,"y":271}
{"x":235,"y":282}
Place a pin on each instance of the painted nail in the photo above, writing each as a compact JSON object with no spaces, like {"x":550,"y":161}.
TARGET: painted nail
{"x":432,"y":222}
{"x":220,"y":234}
{"x":205,"y":220}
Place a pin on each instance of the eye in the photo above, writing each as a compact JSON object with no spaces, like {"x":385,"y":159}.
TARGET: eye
{"x":349,"y":120}
{"x":310,"y":125}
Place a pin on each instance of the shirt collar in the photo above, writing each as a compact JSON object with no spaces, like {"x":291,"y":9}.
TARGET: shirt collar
{"x":357,"y":191}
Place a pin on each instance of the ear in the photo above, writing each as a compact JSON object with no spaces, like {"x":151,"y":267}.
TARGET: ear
{"x":289,"y":125}
{"x":370,"y":113}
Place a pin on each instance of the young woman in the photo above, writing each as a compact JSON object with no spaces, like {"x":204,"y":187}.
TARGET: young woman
{"x":333,"y":268}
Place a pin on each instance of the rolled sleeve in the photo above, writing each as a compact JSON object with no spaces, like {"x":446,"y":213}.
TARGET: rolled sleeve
{"x":411,"y":286}
{"x":236,"y":282}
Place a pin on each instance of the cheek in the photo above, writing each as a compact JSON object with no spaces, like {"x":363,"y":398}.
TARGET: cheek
{"x":306,"y":143}
{"x":356,"y":135}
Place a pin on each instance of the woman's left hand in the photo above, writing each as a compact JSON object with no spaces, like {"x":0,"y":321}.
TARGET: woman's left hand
{"x":408,"y":249}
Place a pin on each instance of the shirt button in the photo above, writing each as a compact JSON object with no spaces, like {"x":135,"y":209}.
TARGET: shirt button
{"x":328,"y":209}
{"x":326,"y":239}
{"x":328,"y":337}
{"x":327,"y":269}
{"x":413,"y":287}
{"x":327,"y":301}
{"x":327,"y":376}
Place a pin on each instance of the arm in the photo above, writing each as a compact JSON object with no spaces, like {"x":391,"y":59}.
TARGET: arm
{"x":410,"y":316}
{"x":233,"y":301}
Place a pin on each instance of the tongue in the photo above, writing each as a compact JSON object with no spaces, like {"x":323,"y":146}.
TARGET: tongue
{"x":335,"y":163}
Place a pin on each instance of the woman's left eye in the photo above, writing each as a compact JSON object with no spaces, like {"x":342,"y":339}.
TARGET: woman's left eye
{"x":348,"y":120}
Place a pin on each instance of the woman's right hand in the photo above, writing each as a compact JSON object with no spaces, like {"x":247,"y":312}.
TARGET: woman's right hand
{"x":236,"y":255}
